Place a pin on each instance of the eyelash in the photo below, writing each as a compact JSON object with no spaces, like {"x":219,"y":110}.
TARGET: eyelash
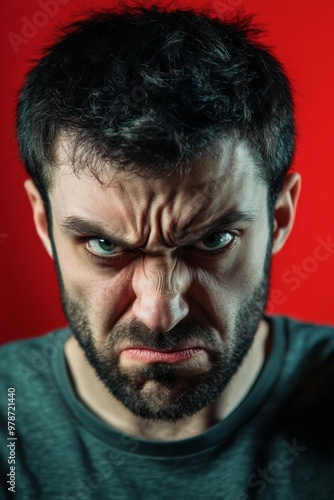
{"x":113,"y":258}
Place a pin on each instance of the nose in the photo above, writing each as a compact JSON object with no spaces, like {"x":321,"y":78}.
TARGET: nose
{"x":160,"y":287}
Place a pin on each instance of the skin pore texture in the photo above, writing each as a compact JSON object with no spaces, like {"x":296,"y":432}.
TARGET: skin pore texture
{"x":165,"y":303}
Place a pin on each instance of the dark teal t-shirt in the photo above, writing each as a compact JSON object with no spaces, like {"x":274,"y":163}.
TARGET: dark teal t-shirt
{"x":277,"y":444}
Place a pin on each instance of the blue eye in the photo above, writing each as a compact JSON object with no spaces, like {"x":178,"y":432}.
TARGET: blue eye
{"x":101,"y":246}
{"x":215,"y":241}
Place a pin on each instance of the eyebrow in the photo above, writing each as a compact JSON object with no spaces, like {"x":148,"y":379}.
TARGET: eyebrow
{"x":79,"y":226}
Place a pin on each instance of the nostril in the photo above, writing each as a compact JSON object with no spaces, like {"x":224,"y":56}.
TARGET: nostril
{"x":160,"y":313}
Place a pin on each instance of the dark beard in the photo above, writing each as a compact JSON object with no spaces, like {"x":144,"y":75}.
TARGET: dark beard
{"x":161,"y":391}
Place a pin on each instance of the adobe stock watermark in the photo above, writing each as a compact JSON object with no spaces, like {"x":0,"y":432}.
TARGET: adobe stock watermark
{"x":31,"y":26}
{"x":84,"y":488}
{"x":226,"y":7}
{"x":262,"y":477}
{"x":3,"y":236}
{"x":293,"y":277}
{"x":137,"y":95}
{"x":39,"y":360}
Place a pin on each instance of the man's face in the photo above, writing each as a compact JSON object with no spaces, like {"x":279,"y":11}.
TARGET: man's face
{"x":164,"y":299}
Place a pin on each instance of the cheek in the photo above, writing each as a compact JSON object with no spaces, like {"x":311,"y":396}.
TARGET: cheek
{"x":249,"y":266}
{"x":78,"y":278}
{"x":104,"y":295}
{"x":234,"y":280}
{"x":112,"y":294}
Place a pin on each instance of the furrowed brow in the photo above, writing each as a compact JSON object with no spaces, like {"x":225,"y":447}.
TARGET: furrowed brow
{"x":225,"y":222}
{"x":79,"y":226}
{"x":233,"y":218}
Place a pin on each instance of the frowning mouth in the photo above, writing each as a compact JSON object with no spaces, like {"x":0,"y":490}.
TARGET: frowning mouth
{"x":149,"y":355}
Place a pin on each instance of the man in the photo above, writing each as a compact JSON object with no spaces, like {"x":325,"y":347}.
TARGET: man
{"x":158,"y":145}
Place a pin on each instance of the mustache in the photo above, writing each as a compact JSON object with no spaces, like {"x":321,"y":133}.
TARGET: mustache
{"x":136,"y":333}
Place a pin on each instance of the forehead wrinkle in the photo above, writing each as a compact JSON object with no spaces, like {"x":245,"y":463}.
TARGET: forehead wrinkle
{"x":194,"y":216}
{"x":167,"y":211}
{"x":189,"y":209}
{"x":210,"y":192}
{"x":131,"y":212}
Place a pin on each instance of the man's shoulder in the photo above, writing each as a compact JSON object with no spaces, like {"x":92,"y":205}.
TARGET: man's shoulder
{"x":304,"y":335}
{"x":304,"y":393}
{"x":32,"y":354}
{"x":295,"y":324}
{"x":23,"y":346}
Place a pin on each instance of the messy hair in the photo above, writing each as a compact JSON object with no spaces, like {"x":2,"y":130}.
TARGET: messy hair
{"x":150,"y":90}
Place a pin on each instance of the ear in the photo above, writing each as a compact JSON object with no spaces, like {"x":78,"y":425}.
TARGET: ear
{"x":285,"y":210}
{"x":39,"y":215}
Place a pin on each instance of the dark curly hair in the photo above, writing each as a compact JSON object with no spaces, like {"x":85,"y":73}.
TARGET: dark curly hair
{"x":150,"y":90}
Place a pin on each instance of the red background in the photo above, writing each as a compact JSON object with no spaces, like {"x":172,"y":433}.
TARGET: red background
{"x":301,"y":32}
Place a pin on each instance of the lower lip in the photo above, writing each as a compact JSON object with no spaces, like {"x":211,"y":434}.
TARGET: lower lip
{"x":152,"y":356}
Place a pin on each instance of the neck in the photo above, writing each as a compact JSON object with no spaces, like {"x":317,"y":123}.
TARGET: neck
{"x":92,"y":392}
